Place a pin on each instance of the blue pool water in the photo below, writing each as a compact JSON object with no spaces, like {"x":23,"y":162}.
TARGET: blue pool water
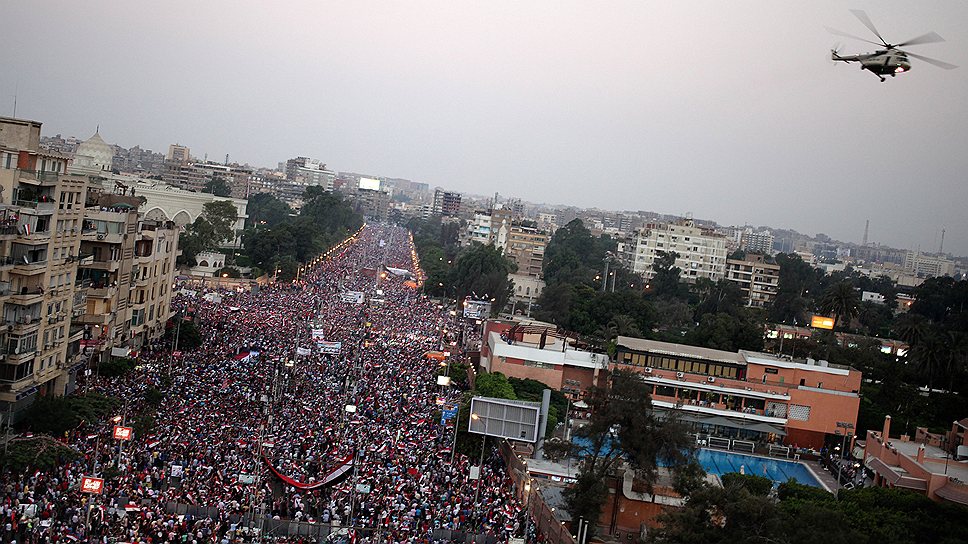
{"x":721,"y":462}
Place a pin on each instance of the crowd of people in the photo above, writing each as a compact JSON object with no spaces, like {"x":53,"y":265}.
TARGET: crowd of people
{"x":255,"y":423}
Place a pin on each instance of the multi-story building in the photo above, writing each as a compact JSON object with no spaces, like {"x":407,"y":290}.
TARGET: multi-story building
{"x":178,"y":153}
{"x":758,"y":241}
{"x":130,"y":272}
{"x":479,"y":228}
{"x":446,"y":203}
{"x":757,"y":279}
{"x":702,"y":253}
{"x":746,"y":394}
{"x":525,"y":246}
{"x":40,"y":233}
{"x":929,"y":464}
{"x":928,"y":266}
{"x":523,"y":348}
{"x":374,"y":205}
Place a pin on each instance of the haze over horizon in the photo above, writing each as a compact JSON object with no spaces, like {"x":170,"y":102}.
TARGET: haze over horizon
{"x":734,"y":112}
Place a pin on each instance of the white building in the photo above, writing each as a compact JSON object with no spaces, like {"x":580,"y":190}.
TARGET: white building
{"x":761,"y":242}
{"x":479,"y":228}
{"x":702,"y":254}
{"x":927,"y":266}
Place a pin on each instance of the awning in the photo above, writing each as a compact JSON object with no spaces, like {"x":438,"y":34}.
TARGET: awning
{"x":765,"y":428}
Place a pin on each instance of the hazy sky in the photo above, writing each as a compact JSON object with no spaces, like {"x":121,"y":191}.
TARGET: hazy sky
{"x":729,"y":110}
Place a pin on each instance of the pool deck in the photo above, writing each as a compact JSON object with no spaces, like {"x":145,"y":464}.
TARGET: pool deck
{"x":826,"y":479}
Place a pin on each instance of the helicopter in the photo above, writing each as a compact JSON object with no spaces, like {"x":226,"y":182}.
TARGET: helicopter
{"x":891,"y":60}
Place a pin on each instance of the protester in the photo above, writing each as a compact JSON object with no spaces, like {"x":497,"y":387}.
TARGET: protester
{"x":262,"y":390}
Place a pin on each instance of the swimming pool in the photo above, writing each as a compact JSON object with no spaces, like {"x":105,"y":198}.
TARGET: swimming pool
{"x":721,"y":462}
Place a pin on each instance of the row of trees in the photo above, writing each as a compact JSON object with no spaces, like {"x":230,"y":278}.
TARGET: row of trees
{"x":745,"y":509}
{"x":478,"y":270}
{"x":276,"y":239}
{"x":590,"y":292}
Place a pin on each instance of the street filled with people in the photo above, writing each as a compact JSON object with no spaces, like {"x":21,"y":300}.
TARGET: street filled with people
{"x":306,"y":402}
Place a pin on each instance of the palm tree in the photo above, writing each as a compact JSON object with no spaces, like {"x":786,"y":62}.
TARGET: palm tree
{"x":841,"y":300}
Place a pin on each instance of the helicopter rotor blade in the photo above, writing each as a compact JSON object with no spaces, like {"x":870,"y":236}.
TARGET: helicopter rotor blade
{"x":930,"y":37}
{"x":860,"y":14}
{"x":929,"y":60}
{"x":848,"y":35}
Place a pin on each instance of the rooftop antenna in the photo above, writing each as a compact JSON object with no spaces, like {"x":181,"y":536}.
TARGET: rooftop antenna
{"x":16,"y":90}
{"x":867,"y":227}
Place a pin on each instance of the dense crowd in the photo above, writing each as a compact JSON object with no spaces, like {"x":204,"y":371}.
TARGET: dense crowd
{"x":260,"y":391}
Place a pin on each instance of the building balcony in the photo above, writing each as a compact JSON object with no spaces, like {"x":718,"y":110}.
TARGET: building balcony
{"x":34,"y":207}
{"x":8,"y":230}
{"x":92,"y":319}
{"x":106,"y":265}
{"x":34,"y":177}
{"x":720,"y":410}
{"x":106,"y":291}
{"x":26,"y":268}
{"x":24,"y":325}
{"x":26,"y":297}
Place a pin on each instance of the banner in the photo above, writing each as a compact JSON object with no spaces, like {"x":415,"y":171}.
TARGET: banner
{"x":302,"y":352}
{"x":338,"y":474}
{"x":89,"y":484}
{"x":122,"y":433}
{"x":331,"y":348}
{"x":353,"y":297}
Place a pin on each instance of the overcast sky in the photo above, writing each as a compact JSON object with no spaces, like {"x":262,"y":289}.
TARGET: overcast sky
{"x":732,"y":111}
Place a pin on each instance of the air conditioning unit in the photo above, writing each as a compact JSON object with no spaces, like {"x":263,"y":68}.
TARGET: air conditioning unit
{"x":711,"y":379}
{"x":679,"y":374}
{"x":648,"y":370}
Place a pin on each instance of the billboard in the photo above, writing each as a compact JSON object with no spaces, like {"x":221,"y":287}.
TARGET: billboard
{"x":370,"y":184}
{"x":502,"y":418}
{"x":476,"y":309}
{"x":822,"y":322}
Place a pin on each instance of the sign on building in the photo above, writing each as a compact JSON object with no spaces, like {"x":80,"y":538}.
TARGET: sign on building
{"x":502,"y":418}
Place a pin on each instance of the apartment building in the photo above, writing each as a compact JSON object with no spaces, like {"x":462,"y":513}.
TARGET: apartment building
{"x":759,"y":241}
{"x":526,"y":246}
{"x":757,"y":279}
{"x":928,"y":266}
{"x":446,"y":203}
{"x":702,"y":253}
{"x":130,"y":272}
{"x":746,"y":394}
{"x":41,"y":216}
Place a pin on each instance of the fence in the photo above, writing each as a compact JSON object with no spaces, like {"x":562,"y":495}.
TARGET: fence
{"x":779,"y":451}
{"x":554,"y":530}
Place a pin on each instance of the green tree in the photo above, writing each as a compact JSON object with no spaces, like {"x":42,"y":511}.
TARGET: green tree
{"x":482,"y":272}
{"x":36,"y":453}
{"x":217,"y":186}
{"x":623,"y":426}
{"x":266,"y":210}
{"x":574,"y":256}
{"x":211,"y":229}
{"x":842,"y":300}
{"x":494,"y":385}
{"x":665,"y":282}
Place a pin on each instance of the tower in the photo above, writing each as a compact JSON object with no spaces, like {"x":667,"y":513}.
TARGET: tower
{"x":867,"y":226}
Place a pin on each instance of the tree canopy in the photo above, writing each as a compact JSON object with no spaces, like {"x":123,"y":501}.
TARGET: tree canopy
{"x":623,"y":426}
{"x":212,"y":228}
{"x":266,"y":209}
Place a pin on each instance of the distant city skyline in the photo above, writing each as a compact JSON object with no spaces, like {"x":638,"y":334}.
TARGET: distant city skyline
{"x":731,"y":112}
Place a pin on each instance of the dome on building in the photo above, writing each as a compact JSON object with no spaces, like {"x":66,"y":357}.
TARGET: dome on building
{"x":94,"y":153}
